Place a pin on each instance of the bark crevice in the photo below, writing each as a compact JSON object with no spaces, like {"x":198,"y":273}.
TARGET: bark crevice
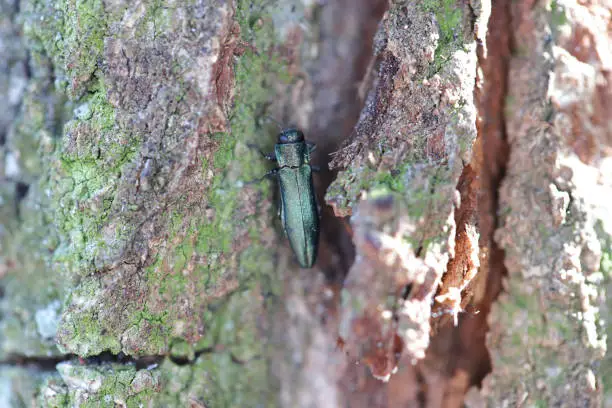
{"x":493,"y":152}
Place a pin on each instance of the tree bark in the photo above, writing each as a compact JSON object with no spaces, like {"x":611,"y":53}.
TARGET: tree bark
{"x":466,"y":234}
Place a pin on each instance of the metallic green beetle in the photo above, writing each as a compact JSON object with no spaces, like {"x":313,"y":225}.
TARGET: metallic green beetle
{"x":299,"y":213}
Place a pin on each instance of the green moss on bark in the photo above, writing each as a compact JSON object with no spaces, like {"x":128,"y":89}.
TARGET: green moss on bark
{"x":449,"y":17}
{"x":94,"y":153}
{"x":230,"y":370}
{"x":72,"y":33}
{"x":107,"y":385}
{"x":205,"y":259}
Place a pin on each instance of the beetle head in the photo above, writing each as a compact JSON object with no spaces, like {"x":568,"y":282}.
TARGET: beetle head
{"x":291,"y":135}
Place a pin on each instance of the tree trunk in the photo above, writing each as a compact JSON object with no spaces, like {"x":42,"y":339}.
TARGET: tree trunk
{"x":466,"y":219}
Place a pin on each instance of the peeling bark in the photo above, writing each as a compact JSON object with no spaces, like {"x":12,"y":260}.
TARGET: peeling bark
{"x":544,"y":330}
{"x":466,"y":238}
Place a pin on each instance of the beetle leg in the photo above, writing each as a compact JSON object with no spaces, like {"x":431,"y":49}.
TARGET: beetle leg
{"x":267,"y":156}
{"x":277,"y":123}
{"x":311,"y":147}
{"x":269,"y":175}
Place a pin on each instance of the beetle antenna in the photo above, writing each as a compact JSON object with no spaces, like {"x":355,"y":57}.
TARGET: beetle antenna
{"x":276,"y":122}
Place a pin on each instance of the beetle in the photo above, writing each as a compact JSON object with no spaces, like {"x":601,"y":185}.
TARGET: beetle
{"x":298,"y":207}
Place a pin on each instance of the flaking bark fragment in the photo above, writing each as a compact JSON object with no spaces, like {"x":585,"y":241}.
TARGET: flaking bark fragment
{"x":412,"y":142}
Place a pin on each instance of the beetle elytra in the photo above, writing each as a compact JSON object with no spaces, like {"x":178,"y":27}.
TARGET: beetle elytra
{"x":299,"y":214}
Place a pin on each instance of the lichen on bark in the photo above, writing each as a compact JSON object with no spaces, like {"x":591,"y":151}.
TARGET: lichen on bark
{"x":546,"y":340}
{"x":413,"y":139}
{"x":30,"y":310}
{"x":160,"y":240}
{"x":136,"y":236}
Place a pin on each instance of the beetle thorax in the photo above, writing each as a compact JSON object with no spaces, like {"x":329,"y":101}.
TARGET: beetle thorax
{"x":291,"y":154}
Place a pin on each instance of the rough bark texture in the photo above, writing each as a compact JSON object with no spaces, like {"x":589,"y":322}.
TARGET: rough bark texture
{"x":554,"y":208}
{"x":466,"y":237}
